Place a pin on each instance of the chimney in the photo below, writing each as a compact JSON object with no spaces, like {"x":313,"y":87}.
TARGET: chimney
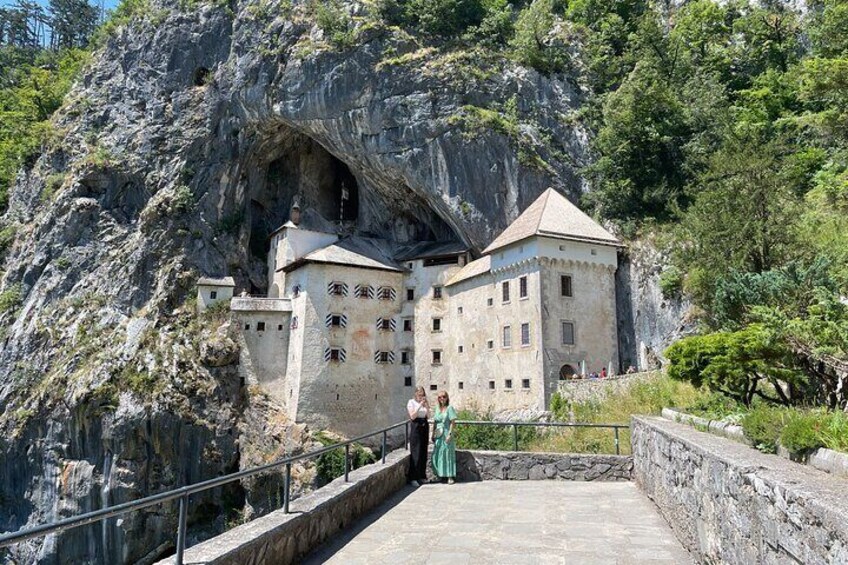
{"x":294,"y":216}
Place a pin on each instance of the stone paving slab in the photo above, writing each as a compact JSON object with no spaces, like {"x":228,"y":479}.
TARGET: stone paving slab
{"x":520,"y":522}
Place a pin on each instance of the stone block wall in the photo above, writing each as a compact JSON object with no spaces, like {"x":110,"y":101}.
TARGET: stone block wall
{"x":582,"y":390}
{"x":728,"y":503}
{"x":517,"y":466}
{"x":279,"y":539}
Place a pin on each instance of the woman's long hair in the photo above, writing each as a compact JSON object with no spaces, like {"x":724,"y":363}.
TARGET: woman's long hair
{"x":445,"y":394}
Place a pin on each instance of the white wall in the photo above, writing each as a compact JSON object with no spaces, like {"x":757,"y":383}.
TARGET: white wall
{"x":287,"y":246}
{"x":204,"y":295}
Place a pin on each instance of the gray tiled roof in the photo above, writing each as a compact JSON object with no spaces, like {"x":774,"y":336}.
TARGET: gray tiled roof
{"x":472,"y":269}
{"x":430,"y":249}
{"x":554,"y":216}
{"x":354,"y":251}
{"x":209,"y":281}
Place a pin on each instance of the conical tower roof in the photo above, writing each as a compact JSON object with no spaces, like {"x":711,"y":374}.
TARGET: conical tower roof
{"x":552,"y":215}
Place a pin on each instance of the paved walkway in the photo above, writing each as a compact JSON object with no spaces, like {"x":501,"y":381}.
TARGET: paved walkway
{"x":510,"y":522}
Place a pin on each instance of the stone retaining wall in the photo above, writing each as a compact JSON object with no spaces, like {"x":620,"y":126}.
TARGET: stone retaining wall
{"x":516,"y":466}
{"x":582,"y":390}
{"x":278,"y":538}
{"x":729,"y":503}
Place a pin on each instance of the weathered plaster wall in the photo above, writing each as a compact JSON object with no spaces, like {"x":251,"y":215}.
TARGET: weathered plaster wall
{"x":478,"y":323}
{"x":358,"y":394}
{"x":204,"y":295}
{"x":728,"y":503}
{"x":287,"y":246}
{"x":263,"y":357}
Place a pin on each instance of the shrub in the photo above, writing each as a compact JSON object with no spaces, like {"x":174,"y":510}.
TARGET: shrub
{"x":330,"y":465}
{"x":803,"y":431}
{"x":490,"y":437}
{"x":7,"y":237}
{"x":671,"y":282}
{"x":835,"y":432}
{"x":763,"y":426}
{"x":336,"y":24}
{"x":10,"y":298}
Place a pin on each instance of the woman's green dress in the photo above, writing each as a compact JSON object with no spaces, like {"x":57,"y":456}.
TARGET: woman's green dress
{"x":444,"y":452}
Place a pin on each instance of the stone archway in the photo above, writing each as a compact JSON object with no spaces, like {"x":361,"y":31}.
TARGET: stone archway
{"x":567,"y":372}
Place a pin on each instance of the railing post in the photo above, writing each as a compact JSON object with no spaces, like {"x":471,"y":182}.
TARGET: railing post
{"x":515,"y":437}
{"x":181,"y":528}
{"x":617,"y":450}
{"x":347,"y":462}
{"x":287,"y":486}
{"x":384,"y":447}
{"x":406,"y":435}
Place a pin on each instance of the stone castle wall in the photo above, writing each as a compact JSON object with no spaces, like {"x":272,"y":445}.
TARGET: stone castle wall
{"x":728,"y":503}
{"x":524,"y":466}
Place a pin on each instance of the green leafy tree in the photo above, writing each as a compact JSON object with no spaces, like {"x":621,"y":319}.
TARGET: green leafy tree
{"x":533,"y":44}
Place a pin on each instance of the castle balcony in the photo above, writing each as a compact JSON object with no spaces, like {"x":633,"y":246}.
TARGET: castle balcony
{"x":260,"y":304}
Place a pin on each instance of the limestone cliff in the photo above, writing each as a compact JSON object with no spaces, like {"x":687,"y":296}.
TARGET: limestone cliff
{"x":181,"y":147}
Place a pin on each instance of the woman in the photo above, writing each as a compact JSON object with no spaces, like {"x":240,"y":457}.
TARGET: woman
{"x":444,"y":450}
{"x":419,"y":429}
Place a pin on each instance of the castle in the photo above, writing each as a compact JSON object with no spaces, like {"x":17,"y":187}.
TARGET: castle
{"x":351,"y":324}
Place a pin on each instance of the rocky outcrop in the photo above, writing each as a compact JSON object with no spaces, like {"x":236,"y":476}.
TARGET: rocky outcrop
{"x":184,"y":143}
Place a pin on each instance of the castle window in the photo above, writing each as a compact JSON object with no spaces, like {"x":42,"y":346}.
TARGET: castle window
{"x":407,"y":381}
{"x":525,"y":383}
{"x":461,"y":385}
{"x":522,"y":287}
{"x":593,"y":251}
{"x":335,"y":321}
{"x":459,"y":310}
{"x":260,"y":326}
{"x":294,"y":323}
{"x":525,"y":334}
{"x":386,"y":324}
{"x":507,"y":337}
{"x":490,"y":344}
{"x":335,"y":288}
{"x":565,"y":286}
{"x":246,"y":327}
{"x":384,"y":357}
{"x":437,"y":293}
{"x":296,"y":290}
{"x":364,"y":291}
{"x":279,"y":327}
{"x":404,"y":358}
{"x":491,"y":385}
{"x":437,"y":324}
{"x":508,"y":383}
{"x":568,"y":333}
{"x":490,"y":302}
{"x":460,"y":349}
{"x":437,"y":356}
{"x":407,"y":324}
{"x":410,"y":294}
{"x":434,"y":387}
{"x":505,"y":292}
{"x":213,"y":295}
{"x":386,"y":293}
{"x":335,"y":354}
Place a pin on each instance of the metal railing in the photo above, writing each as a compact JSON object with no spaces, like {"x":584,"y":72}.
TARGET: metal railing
{"x":515,"y":426}
{"x":182,"y":494}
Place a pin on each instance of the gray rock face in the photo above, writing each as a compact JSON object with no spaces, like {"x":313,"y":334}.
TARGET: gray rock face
{"x":183,"y":145}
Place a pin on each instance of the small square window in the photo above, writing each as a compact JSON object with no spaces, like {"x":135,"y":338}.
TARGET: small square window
{"x":490,"y":344}
{"x":437,"y":292}
{"x":279,"y":327}
{"x":404,"y":357}
{"x":460,"y":349}
{"x":407,"y":325}
{"x":437,"y":324}
{"x":491,"y":385}
{"x":383,"y":357}
{"x":505,"y":291}
{"x":410,"y":265}
{"x":459,"y":310}
{"x":334,"y":355}
{"x":337,"y":289}
{"x":407,"y":381}
{"x":247,"y":326}
{"x":386,"y":293}
{"x":410,"y":294}
{"x":213,"y":295}
{"x":386,"y":324}
{"x":437,"y":357}
{"x":525,"y":334}
{"x":260,"y":326}
{"x":461,"y":385}
{"x":508,"y":383}
{"x":565,"y":285}
{"x":522,"y":287}
{"x":593,"y":251}
{"x":507,"y":337}
{"x":335,"y":321}
{"x":490,"y":302}
{"x":434,"y":387}
{"x":525,"y":383}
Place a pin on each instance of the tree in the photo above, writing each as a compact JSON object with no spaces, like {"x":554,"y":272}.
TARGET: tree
{"x":739,"y":364}
{"x":533,"y":44}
